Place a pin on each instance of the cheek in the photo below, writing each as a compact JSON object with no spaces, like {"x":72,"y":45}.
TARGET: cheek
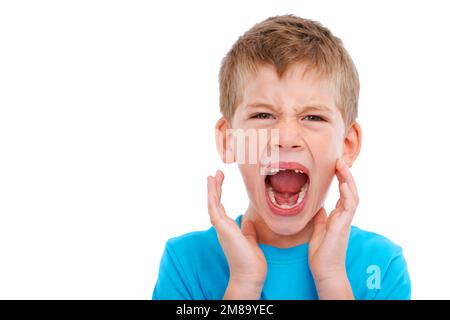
{"x":326,"y":151}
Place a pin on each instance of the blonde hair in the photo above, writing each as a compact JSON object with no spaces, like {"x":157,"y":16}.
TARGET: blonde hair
{"x":283,"y":41}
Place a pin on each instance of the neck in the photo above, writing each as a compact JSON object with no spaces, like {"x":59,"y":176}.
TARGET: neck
{"x":266,"y":236}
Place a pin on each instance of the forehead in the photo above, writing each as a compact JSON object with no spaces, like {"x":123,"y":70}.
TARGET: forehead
{"x":295,"y":88}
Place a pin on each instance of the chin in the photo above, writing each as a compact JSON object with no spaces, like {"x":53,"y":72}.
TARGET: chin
{"x":286,"y":226}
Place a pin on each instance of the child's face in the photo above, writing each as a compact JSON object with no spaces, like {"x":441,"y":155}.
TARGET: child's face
{"x":311,"y":134}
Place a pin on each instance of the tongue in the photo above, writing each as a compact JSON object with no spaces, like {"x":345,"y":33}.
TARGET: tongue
{"x":286,"y":186}
{"x":287,"y":181}
{"x":286,"y":198}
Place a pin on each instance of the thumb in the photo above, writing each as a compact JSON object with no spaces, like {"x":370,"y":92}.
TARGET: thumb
{"x":319,"y":224}
{"x":249,"y":231}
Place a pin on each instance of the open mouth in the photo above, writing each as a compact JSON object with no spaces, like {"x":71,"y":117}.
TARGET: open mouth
{"x":286,"y":188}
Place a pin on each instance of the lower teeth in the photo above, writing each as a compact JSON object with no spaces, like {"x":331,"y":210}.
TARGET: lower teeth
{"x":301,"y":195}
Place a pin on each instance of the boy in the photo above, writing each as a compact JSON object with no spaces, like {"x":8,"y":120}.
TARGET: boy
{"x":293,"y":79}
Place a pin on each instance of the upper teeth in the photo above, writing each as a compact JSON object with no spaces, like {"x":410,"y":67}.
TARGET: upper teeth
{"x":276,"y":170}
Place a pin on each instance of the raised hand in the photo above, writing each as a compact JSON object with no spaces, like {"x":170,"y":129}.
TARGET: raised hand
{"x":246,"y":261}
{"x":329,"y":241}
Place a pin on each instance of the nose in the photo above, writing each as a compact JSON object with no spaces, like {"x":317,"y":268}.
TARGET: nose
{"x":290,"y":137}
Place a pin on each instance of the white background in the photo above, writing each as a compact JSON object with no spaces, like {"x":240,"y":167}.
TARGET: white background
{"x":107,"y":113}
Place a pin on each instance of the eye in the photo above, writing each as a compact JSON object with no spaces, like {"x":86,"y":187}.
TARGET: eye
{"x":262,"y":115}
{"x":313,"y":118}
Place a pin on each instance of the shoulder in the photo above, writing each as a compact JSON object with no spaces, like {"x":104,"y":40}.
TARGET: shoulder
{"x":371,"y":243}
{"x":193,"y":244}
{"x":192,"y":239}
{"x":376,"y":266}
{"x":193,"y":266}
{"x":197,"y":241}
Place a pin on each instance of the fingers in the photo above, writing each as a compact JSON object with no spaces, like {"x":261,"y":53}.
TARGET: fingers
{"x":344,"y":175}
{"x":348,"y":200}
{"x":319,"y":226}
{"x":219,"y":180}
{"x":215,"y":208}
{"x":212,"y":204}
{"x":347,"y":205}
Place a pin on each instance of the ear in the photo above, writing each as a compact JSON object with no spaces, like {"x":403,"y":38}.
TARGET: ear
{"x":224,"y":141}
{"x":352,"y":143}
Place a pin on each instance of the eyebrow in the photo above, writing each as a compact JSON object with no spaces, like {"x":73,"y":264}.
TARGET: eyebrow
{"x":311,"y":107}
{"x":260,"y":105}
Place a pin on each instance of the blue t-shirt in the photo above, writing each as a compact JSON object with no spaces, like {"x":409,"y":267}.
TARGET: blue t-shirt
{"x":193,"y":266}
